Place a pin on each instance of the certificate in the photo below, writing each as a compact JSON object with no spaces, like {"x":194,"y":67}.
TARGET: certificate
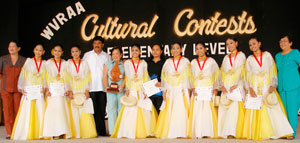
{"x":235,"y":95}
{"x":33,"y":92}
{"x":150,"y":88}
{"x":57,"y":89}
{"x":88,"y":106}
{"x":253,"y":102}
{"x":204,"y":93}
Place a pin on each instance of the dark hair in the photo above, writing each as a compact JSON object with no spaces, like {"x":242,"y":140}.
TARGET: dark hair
{"x":288,"y":35}
{"x":40,"y":44}
{"x":136,"y":45}
{"x":200,"y":42}
{"x":232,"y":38}
{"x":256,"y":38}
{"x":117,"y":48}
{"x":176,"y":43}
{"x":58,"y":45}
{"x":96,"y":38}
{"x":162,"y":56}
{"x":16,"y":42}
{"x":77,"y":46}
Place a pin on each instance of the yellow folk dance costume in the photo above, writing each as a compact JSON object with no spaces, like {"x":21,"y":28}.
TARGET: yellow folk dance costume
{"x":173,"y":118}
{"x":29,"y":119}
{"x":231,"y":116}
{"x":57,"y":114}
{"x":203,"y":116}
{"x":270,"y":121}
{"x":136,"y":121}
{"x":78,"y":81}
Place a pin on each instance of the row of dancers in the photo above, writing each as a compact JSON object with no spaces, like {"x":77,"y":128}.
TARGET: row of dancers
{"x":183,"y":113}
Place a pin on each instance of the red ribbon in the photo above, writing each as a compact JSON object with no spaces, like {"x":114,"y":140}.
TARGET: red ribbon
{"x":77,"y":68}
{"x":135,"y":68}
{"x":234,"y":58}
{"x":176,"y":67}
{"x":38,"y":67}
{"x":58,"y":67}
{"x":201,"y":68}
{"x":259,"y":63}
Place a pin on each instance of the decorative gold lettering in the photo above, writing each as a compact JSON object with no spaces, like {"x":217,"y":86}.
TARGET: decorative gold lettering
{"x":213,"y":25}
{"x":114,"y":30}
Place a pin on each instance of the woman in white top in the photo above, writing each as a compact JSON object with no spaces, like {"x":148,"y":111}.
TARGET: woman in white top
{"x":203,"y":116}
{"x":56,"y":119}
{"x":173,"y":118}
{"x":136,"y":121}
{"x":231,"y":111}
{"x":270,"y":121}
{"x":29,"y":119}
{"x":78,"y":84}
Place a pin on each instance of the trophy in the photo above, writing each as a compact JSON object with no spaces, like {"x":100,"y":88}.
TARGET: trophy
{"x":116,"y":76}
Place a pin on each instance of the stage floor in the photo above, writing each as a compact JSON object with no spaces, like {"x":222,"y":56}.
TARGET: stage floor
{"x":149,"y":140}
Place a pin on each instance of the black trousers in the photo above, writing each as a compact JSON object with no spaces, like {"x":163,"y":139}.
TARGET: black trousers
{"x":156,"y":101}
{"x":99,"y":101}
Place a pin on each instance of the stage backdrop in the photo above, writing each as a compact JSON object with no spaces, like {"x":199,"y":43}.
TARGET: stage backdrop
{"x":148,"y":22}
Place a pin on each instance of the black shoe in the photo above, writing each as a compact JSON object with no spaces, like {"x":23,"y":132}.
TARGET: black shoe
{"x":8,"y":138}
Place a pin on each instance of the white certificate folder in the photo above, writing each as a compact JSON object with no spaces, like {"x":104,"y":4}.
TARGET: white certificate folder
{"x":150,"y":88}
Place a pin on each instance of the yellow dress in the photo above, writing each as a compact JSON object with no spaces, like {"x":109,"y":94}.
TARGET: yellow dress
{"x":83,"y":123}
{"x":270,"y":121}
{"x":203,"y":120}
{"x":173,"y":118}
{"x":57,"y":120}
{"x":135,"y":121}
{"x":231,"y":117}
{"x":29,"y":119}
